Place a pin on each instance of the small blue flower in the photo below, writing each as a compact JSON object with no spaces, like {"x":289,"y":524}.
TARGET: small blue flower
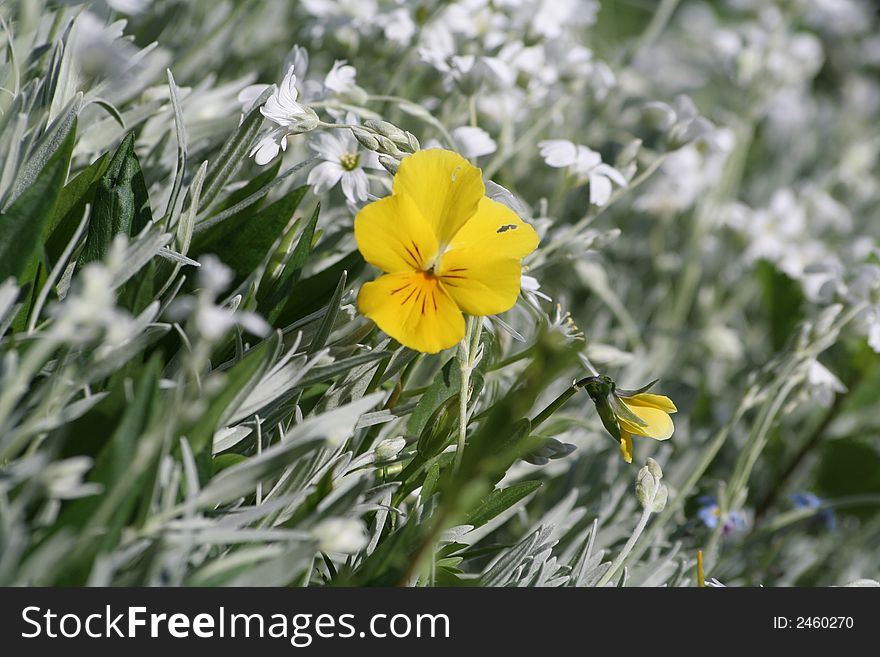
{"x":808,"y":500}
{"x":710,"y":514}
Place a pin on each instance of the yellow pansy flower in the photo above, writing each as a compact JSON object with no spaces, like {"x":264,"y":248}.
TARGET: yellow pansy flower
{"x":446,"y":249}
{"x":653,"y":411}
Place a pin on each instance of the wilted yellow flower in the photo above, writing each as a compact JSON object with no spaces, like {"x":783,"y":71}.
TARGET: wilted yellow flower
{"x":652,"y":410}
{"x":446,"y":249}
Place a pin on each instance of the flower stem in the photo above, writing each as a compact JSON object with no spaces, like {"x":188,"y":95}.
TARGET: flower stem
{"x":554,"y":406}
{"x":467,"y":360}
{"x":624,"y":553}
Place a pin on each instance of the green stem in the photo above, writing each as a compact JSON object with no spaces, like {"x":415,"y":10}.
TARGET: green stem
{"x":515,"y":358}
{"x":467,"y":354}
{"x":658,"y":23}
{"x":554,"y":406}
{"x":624,"y":553}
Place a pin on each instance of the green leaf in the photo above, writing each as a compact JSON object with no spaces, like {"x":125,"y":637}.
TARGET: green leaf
{"x":215,"y":217}
{"x":256,"y":189}
{"x":329,"y":319}
{"x":783,"y":301}
{"x":51,"y":142}
{"x":310,"y":294}
{"x":237,"y":383}
{"x":499,"y":500}
{"x":108,"y":513}
{"x":114,"y":458}
{"x":121,"y":204}
{"x":184,"y":232}
{"x":445,"y":385}
{"x":231,"y":155}
{"x":180,"y":133}
{"x":848,"y":466}
{"x":243,"y":241}
{"x":71,"y":205}
{"x":22,"y":225}
{"x":293,"y":267}
{"x":621,"y":392}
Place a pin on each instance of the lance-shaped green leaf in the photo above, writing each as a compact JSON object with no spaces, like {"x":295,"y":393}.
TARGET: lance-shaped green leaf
{"x":632,"y":393}
{"x":311,"y":293}
{"x":233,"y":152}
{"x":243,"y":242}
{"x":121,"y":205}
{"x":71,"y":206}
{"x":23,"y":224}
{"x":326,"y":326}
{"x":49,"y":144}
{"x":292,"y":267}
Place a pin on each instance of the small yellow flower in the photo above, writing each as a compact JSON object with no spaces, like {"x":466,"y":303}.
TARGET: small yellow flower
{"x":445,"y":247}
{"x":653,"y":411}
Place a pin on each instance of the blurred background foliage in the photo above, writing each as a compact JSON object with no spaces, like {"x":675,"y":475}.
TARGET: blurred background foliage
{"x":166,"y":420}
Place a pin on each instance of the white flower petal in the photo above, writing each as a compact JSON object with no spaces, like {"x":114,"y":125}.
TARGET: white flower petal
{"x":610,"y":172}
{"x":600,"y":190}
{"x":558,"y":153}
{"x":266,"y":150}
{"x":329,"y":146}
{"x":587,"y":159}
{"x":355,"y":185}
{"x":324,"y":176}
{"x":341,"y":77}
{"x":473,"y":142}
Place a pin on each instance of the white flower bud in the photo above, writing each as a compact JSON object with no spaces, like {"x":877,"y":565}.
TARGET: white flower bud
{"x":389,"y":163}
{"x":366,"y":138}
{"x":646,"y":486}
{"x":306,"y":121}
{"x":660,"y":498}
{"x":412,"y":142}
{"x":654,"y":469}
{"x":389,"y":130}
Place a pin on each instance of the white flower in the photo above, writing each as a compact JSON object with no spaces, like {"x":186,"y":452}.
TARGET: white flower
{"x":212,"y":321}
{"x":554,"y":16}
{"x":90,"y":309}
{"x":341,"y":535}
{"x":584,"y":163}
{"x":399,"y":26}
{"x":531,"y":290}
{"x":282,"y":108}
{"x":823,"y":384}
{"x":341,"y":77}
{"x":681,"y":122}
{"x":343,"y":161}
{"x":473,"y":142}
{"x":286,"y":113}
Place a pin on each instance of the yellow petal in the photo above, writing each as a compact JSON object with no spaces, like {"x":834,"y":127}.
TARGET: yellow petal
{"x":392,"y":234}
{"x":626,"y":446}
{"x":480,"y":285}
{"x":445,"y":187}
{"x":414,"y":309}
{"x":655,"y":401}
{"x":658,"y":424}
{"x":497,"y":231}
